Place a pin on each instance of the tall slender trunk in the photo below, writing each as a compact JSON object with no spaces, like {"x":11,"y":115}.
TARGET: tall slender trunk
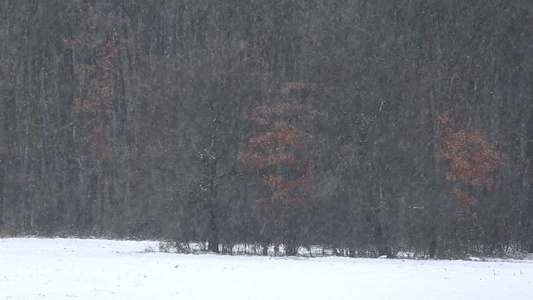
{"x":2,"y":195}
{"x":212,"y":237}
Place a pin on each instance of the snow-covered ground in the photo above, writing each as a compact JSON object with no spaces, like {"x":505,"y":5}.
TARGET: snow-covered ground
{"x":33,"y":268}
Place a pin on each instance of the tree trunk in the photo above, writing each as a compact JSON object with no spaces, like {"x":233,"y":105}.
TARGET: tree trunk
{"x":382,"y":247}
{"x":265,"y":250}
{"x":432,"y":247}
{"x":2,"y":196}
{"x":212,"y":239}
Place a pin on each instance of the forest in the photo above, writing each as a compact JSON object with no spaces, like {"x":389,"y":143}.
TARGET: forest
{"x":367,"y":127}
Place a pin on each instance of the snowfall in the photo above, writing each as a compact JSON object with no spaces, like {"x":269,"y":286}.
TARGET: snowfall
{"x":32,"y":268}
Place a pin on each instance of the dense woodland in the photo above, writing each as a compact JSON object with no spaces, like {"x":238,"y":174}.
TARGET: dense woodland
{"x":366,"y":126}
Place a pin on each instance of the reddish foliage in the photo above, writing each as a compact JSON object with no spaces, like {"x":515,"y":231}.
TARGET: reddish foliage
{"x":465,"y":197}
{"x":282,"y":133}
{"x":445,"y":124}
{"x":471,"y":161}
{"x":283,"y":109}
{"x":95,"y":105}
{"x":264,"y":160}
{"x":278,"y":147}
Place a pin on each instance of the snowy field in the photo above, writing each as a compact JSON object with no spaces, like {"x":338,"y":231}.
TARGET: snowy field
{"x":33,"y":268}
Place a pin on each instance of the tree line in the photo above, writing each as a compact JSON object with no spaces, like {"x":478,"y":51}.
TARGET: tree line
{"x":366,"y":127}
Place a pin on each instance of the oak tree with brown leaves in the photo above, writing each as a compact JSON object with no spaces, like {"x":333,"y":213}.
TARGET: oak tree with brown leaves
{"x":280,"y":152}
{"x":472,"y":161}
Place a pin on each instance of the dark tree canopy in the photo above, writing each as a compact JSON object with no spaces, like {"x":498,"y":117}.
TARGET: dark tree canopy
{"x":366,"y":127}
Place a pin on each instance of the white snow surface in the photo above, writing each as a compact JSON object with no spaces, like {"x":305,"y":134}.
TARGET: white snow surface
{"x":32,"y":268}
